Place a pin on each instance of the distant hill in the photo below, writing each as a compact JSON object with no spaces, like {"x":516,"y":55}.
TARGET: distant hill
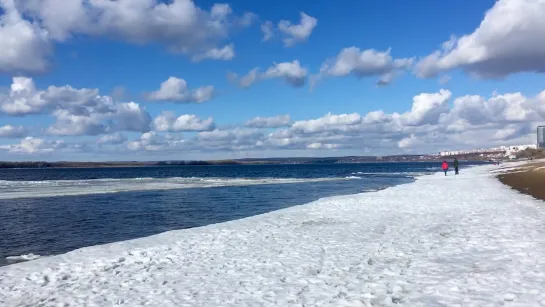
{"x":247,"y":161}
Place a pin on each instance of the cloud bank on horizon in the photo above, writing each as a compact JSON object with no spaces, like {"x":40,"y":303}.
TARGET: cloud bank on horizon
{"x":184,"y":79}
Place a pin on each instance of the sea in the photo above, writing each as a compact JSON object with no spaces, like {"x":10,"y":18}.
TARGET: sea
{"x":45,"y":212}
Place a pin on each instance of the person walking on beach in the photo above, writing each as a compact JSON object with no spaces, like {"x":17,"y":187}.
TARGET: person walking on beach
{"x":456,"y":166}
{"x":445,"y":167}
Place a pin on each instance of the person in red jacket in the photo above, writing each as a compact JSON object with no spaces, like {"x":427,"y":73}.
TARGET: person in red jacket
{"x":445,"y":167}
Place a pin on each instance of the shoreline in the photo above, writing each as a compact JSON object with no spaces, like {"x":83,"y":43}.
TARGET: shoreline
{"x":464,"y":239}
{"x":265,"y":162}
{"x":31,"y":255}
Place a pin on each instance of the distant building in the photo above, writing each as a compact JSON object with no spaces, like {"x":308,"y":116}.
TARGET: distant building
{"x":504,"y":150}
{"x":511,"y":150}
{"x":541,"y":137}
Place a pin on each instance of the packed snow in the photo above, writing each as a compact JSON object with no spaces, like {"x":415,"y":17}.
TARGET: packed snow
{"x":463,"y":240}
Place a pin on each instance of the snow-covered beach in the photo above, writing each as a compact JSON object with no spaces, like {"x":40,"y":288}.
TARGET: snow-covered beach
{"x":462,"y":240}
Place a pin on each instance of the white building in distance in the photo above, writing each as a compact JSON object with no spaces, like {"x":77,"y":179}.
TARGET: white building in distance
{"x":508,"y":150}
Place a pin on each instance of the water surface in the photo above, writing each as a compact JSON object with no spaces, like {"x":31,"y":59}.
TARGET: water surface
{"x":52,"y":211}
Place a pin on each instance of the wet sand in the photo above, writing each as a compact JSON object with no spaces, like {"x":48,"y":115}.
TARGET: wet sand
{"x":528,"y":179}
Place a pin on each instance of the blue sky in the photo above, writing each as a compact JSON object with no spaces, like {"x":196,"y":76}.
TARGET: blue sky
{"x":127,"y":59}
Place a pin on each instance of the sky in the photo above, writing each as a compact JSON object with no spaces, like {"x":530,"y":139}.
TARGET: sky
{"x":105,"y":80}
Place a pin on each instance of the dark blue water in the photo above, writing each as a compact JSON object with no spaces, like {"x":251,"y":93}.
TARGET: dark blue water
{"x":53,"y":225}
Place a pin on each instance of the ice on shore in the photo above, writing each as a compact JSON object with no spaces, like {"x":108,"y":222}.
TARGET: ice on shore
{"x":51,"y":188}
{"x":22,"y":258}
{"x":462,"y":240}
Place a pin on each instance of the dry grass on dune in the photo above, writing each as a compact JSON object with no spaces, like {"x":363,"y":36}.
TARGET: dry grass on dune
{"x":531,"y":153}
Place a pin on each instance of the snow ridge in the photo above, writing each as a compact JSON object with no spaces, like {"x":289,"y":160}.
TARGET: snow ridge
{"x":22,"y":258}
{"x":462,"y":240}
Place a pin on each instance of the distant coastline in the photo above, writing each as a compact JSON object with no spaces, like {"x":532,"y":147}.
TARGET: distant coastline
{"x":283,"y":161}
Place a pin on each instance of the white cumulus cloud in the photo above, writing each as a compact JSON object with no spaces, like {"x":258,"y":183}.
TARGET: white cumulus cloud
{"x":269,"y":122}
{"x":430,"y":125}
{"x":296,"y":33}
{"x":432,"y":122}
{"x":167,"y":121}
{"x":291,"y":72}
{"x":152,"y":141}
{"x":329,"y":122}
{"x":77,"y":124}
{"x":268,"y":30}
{"x":25,"y":45}
{"x":31,"y":28}
{"x":225,"y":53}
{"x":508,"y":41}
{"x":30,"y":145}
{"x":114,"y":139}
{"x":408,"y":142}
{"x":427,"y":108}
{"x":77,"y":111}
{"x":364,"y":63}
{"x":176,"y":90}
{"x":322,"y":146}
{"x":9,"y":131}
{"x":131,"y":116}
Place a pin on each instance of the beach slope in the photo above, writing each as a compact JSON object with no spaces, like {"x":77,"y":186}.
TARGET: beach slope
{"x":464,"y":240}
{"x":528,"y":178}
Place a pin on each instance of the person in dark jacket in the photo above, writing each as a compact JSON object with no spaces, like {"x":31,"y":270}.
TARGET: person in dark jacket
{"x":456,"y":166}
{"x":445,"y":167}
